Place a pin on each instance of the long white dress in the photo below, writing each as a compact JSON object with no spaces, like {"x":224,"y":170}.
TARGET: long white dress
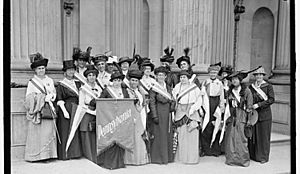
{"x":188,"y":137}
{"x":41,"y":139}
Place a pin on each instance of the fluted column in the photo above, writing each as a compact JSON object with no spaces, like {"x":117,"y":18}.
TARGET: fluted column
{"x":223,"y":31}
{"x":35,"y":27}
{"x":189,"y":24}
{"x":282,"y":61}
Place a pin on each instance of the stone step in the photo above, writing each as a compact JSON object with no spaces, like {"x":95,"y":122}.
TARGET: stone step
{"x":279,"y":139}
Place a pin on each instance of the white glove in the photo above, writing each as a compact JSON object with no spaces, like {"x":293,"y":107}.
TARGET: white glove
{"x":191,"y":111}
{"x":255,"y":106}
{"x":201,"y":112}
{"x":48,"y":97}
{"x":66,"y":114}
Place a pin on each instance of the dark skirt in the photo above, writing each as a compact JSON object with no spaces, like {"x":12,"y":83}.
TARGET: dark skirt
{"x":259,"y":144}
{"x":63,"y":127}
{"x":112,"y":158}
{"x":161,"y":149}
{"x":206,"y":136}
{"x":88,"y":142}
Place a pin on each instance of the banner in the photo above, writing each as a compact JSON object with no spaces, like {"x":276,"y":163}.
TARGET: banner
{"x":115,"y":123}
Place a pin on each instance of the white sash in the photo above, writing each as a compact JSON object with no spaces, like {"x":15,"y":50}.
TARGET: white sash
{"x":89,"y":91}
{"x":69,"y":86}
{"x":157,"y":88}
{"x":80,"y":78}
{"x":126,"y":81}
{"x":144,"y":84}
{"x":235,"y":95}
{"x":226,"y":116}
{"x":100,"y":83}
{"x":205,"y":105}
{"x":112,"y":92}
{"x":39,"y":83}
{"x":260,"y":92}
{"x":192,"y":78}
{"x":193,"y":85}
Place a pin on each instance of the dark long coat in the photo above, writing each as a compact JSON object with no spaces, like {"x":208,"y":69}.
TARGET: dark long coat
{"x":259,"y":145}
{"x":161,"y":149}
{"x":64,"y":125}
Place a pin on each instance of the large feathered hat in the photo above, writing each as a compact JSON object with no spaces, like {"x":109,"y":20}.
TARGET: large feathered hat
{"x":168,"y":55}
{"x":241,"y":74}
{"x":68,"y":64}
{"x":37,"y":60}
{"x":135,"y":74}
{"x":227,"y":68}
{"x":160,"y":69}
{"x":185,"y":57}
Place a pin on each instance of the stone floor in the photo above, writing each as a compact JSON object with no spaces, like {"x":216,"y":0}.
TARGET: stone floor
{"x":279,"y":163}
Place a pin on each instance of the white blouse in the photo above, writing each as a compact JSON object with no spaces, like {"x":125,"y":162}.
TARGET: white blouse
{"x":46,"y":82}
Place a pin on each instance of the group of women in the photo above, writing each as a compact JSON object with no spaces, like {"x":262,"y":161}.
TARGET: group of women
{"x":179,"y":120}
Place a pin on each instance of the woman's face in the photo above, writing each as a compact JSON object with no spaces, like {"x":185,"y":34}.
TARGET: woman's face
{"x":40,"y":70}
{"x":184,"y":79}
{"x":117,"y":83}
{"x":91,"y":77}
{"x":213,"y":74}
{"x":134,"y":82}
{"x":100,"y":66}
{"x":161,"y":77}
{"x":147,"y":70}
{"x":235,"y":81}
{"x":81,"y":63}
{"x":184,"y":65}
{"x":259,"y":77}
{"x":70,"y":73}
{"x":124,"y":66}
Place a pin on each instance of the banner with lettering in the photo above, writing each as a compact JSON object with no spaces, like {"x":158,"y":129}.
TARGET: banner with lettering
{"x":115,"y":123}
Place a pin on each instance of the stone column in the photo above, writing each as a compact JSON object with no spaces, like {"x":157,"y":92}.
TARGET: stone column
{"x":189,"y":24}
{"x":281,"y":71}
{"x":223,"y":31}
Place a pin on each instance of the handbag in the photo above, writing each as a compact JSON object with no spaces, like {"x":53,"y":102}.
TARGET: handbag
{"x":248,"y":131}
{"x":47,"y":113}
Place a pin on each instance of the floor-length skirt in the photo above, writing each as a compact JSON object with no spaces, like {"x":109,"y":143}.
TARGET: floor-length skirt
{"x":41,"y":141}
{"x":88,"y":143}
{"x":64,"y":126}
{"x":236,"y":150}
{"x":161,"y":149}
{"x":259,"y":144}
{"x":139,"y":154}
{"x":188,"y":149}
{"x":207,"y":134}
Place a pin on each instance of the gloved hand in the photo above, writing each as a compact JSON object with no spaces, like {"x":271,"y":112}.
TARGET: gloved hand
{"x":191,"y":111}
{"x":155,"y":120}
{"x":66,"y":114}
{"x":48,"y":97}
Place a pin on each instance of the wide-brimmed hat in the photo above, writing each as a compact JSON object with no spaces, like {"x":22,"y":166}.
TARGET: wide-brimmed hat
{"x":239,"y":74}
{"x":37,"y":60}
{"x":227,"y":68}
{"x":161,"y":69}
{"x":90,"y":69}
{"x":185,"y":57}
{"x":184,"y":72}
{"x":116,"y":75}
{"x":260,"y":70}
{"x":99,"y":57}
{"x":135,"y":74}
{"x":147,"y":62}
{"x":168,"y":55}
{"x":214,"y":67}
{"x":68,"y":64}
{"x":125,"y":59}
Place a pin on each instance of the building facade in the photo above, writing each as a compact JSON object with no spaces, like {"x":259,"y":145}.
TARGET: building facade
{"x":208,"y":27}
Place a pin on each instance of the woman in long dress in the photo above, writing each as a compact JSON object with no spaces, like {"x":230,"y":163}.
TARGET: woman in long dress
{"x":113,"y":156}
{"x":240,"y":103}
{"x":263,"y":98}
{"x":187,"y":119}
{"x":67,"y":93}
{"x":215,"y":92}
{"x":139,"y":154}
{"x":41,"y":136}
{"x":160,"y":106}
{"x":87,"y":93}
